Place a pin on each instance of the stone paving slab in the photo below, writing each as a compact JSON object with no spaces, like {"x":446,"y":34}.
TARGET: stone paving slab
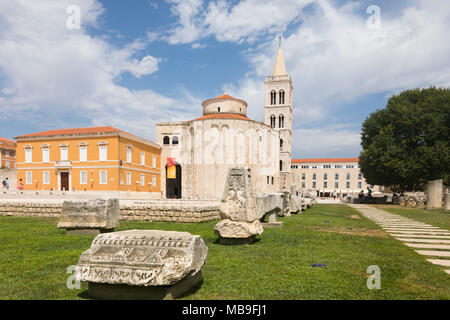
{"x":440,"y":262}
{"x":407,"y":226}
{"x":424,"y":240}
{"x":443,"y":232}
{"x":428,"y":246}
{"x":433,"y":253}
{"x":416,"y":229}
{"x":412,"y":233}
{"x":418,"y":236}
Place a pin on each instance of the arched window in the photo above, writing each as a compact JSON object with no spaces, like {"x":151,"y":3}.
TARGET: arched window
{"x":175,"y":140}
{"x":281,"y":96}
{"x":272,"y":121}
{"x":281,"y":165}
{"x":281,"y":121}
{"x":281,"y":143}
{"x":273,"y":98}
{"x":166,"y":140}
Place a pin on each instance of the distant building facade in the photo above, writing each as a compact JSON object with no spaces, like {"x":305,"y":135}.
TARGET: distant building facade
{"x":88,"y":159}
{"x":327,"y":176}
{"x":7,"y":153}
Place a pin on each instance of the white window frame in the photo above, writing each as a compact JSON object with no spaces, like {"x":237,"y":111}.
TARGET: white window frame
{"x":64,"y":153}
{"x":28,"y":177}
{"x":46,"y":154}
{"x":102,"y":152}
{"x":128,"y":178}
{"x":142,"y":158}
{"x":154,"y":161}
{"x":46,"y":177}
{"x":82,"y":153}
{"x":28,"y":155}
{"x":105,"y":181}
{"x":142,"y":180}
{"x":83,"y":174}
{"x":129,"y":154}
{"x":154,"y":181}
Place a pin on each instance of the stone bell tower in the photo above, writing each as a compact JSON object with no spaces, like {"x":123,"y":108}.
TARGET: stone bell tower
{"x":278,"y":114}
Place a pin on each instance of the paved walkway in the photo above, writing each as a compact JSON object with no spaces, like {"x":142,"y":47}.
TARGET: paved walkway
{"x":413,"y":233}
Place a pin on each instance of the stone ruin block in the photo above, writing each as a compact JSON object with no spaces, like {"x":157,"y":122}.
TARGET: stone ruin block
{"x":142,"y":264}
{"x":435,"y":190}
{"x":295,"y":201}
{"x":90,"y":217}
{"x":269,"y":206}
{"x":240,"y":222}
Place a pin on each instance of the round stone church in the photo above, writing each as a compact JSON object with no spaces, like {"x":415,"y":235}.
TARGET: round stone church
{"x":198,"y":153}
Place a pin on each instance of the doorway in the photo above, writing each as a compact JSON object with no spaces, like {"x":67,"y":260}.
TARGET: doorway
{"x":173,"y":186}
{"x":64,"y":181}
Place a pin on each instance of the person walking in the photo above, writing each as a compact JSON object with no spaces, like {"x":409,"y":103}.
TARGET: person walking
{"x":7,"y":184}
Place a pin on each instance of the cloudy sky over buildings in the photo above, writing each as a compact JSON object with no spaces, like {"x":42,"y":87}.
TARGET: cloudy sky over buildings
{"x":134,"y":63}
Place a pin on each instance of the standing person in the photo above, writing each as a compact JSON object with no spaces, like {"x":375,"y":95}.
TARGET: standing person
{"x":4,"y":184}
{"x":7,"y":184}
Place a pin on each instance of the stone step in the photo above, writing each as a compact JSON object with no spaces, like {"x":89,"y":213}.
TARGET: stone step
{"x":419,"y":236}
{"x":407,"y":226}
{"x":434,"y":253}
{"x":424,"y":240}
{"x":443,"y":232}
{"x":428,"y":246}
{"x":440,"y":262}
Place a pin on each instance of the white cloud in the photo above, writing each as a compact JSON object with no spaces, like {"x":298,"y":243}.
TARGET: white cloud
{"x":55,"y":76}
{"x":334,"y":58}
{"x":246,"y":20}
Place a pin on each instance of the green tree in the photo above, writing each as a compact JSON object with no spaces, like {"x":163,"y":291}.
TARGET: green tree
{"x":406,"y":144}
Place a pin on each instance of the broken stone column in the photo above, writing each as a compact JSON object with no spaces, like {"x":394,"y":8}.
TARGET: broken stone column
{"x":447,"y":202}
{"x":142,"y":264}
{"x":295,"y":201}
{"x":434,"y":194}
{"x":90,"y":217}
{"x":286,"y":212}
{"x":269,"y":205}
{"x":240,"y":222}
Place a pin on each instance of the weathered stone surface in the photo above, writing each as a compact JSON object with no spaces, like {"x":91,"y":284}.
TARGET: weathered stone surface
{"x":142,"y":258}
{"x":447,"y":202}
{"x":238,"y":229}
{"x":269,"y":205}
{"x":286,"y":212}
{"x":238,"y":208}
{"x":91,"y":214}
{"x":434,"y":194}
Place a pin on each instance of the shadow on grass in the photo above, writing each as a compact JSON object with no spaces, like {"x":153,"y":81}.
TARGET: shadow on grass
{"x":191,"y":291}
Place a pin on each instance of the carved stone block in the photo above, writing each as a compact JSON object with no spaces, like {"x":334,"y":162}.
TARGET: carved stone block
{"x":238,"y":208}
{"x":144,"y":258}
{"x":93,"y":215}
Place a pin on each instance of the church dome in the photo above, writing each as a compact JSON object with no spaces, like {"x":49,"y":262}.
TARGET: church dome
{"x":224,"y":104}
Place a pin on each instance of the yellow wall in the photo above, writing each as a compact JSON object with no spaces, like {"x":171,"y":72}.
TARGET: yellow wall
{"x":116,"y":151}
{"x":136,"y":169}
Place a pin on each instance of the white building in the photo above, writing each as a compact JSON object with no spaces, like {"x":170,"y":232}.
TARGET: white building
{"x":224,"y":137}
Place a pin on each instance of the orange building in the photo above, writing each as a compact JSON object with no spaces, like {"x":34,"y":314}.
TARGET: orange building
{"x":88,"y":159}
{"x":7,"y":153}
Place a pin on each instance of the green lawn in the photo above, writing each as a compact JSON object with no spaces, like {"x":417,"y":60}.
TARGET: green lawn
{"x":435,"y":217}
{"x":34,"y":256}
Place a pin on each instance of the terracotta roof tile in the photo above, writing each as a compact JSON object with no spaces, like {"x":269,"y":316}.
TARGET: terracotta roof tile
{"x":6,"y":140}
{"x":223,"y":116}
{"x":325,"y":160}
{"x":73,"y":131}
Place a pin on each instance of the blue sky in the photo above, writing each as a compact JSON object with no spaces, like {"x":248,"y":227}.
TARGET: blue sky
{"x":135,"y":63}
